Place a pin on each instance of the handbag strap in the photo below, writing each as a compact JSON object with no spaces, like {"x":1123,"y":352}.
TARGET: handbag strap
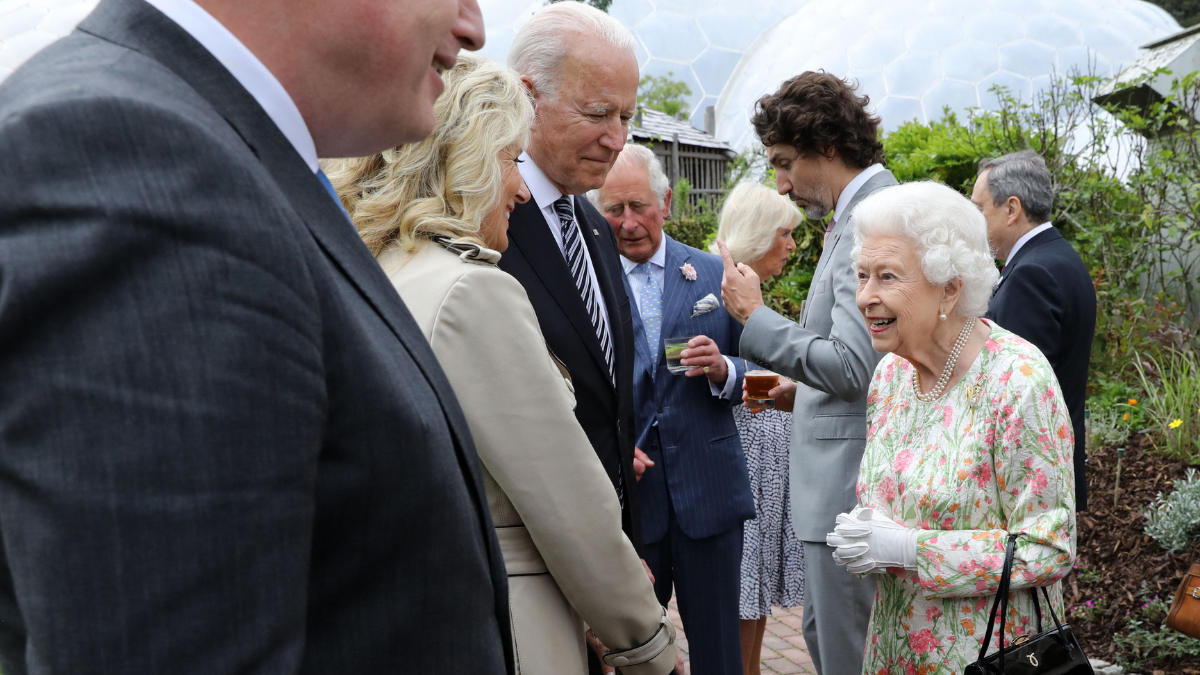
{"x":1001,"y":600}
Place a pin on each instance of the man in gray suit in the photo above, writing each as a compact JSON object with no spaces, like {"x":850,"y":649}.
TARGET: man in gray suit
{"x":227,"y":447}
{"x":827,"y":157}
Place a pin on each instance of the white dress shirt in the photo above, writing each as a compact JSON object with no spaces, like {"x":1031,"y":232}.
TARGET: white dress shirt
{"x":545,"y":193}
{"x":658,"y":263}
{"x":1025,"y":240}
{"x":852,"y":189}
{"x":247,"y":70}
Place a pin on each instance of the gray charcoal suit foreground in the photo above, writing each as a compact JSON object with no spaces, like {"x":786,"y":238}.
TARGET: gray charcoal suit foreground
{"x":225,"y":446}
{"x":829,"y":354}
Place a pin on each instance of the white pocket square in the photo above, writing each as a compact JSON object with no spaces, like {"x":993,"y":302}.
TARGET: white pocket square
{"x":705,"y":305}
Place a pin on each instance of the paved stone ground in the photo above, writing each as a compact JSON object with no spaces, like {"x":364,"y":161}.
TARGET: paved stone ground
{"x":783,"y":646}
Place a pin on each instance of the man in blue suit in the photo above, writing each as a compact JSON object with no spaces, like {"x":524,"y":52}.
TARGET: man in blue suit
{"x":695,"y":492}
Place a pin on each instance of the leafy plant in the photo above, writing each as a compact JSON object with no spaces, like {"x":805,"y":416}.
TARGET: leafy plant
{"x":691,"y":224}
{"x":1147,"y":640}
{"x":1088,"y":610}
{"x":1086,"y":572}
{"x":664,"y":94}
{"x":1172,"y":401}
{"x":1108,"y":427}
{"x":1127,"y":185}
{"x":1174,"y":521}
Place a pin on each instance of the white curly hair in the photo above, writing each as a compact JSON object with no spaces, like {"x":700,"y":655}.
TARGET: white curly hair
{"x":948,"y":231}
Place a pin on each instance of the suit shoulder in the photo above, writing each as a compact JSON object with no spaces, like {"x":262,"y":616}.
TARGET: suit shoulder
{"x":81,"y":71}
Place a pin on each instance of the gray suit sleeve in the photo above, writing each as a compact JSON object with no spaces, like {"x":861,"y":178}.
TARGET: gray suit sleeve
{"x":840,"y":365}
{"x":163,"y":399}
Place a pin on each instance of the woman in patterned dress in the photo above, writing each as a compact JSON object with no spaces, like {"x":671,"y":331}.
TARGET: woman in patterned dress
{"x":968,"y":441}
{"x":756,"y":225}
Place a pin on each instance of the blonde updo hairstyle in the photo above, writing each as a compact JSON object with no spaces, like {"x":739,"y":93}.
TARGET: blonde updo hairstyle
{"x":448,"y":183}
{"x":947,"y":232}
{"x":750,"y":221}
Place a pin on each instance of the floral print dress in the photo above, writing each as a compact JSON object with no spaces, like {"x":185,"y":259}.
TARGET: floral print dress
{"x":992,"y":456}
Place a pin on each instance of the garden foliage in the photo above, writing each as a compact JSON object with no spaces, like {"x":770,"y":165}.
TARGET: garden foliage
{"x":1174,"y":521}
{"x":1127,"y":184}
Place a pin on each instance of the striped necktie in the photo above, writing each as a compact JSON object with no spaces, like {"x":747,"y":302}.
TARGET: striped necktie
{"x":577,"y":263}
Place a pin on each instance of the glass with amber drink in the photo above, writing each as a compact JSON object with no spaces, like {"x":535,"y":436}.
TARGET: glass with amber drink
{"x":759,"y":384}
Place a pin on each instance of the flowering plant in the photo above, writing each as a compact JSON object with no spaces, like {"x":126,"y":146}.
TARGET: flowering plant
{"x":689,"y":272}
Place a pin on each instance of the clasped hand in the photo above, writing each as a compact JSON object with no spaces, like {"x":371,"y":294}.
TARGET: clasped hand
{"x":866,"y":542}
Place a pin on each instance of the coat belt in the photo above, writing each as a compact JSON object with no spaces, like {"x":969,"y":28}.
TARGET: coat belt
{"x":520,"y":555}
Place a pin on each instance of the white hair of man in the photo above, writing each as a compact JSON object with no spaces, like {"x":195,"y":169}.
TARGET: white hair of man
{"x":541,"y":44}
{"x":946,"y":229}
{"x":750,"y":221}
{"x":641,"y":157}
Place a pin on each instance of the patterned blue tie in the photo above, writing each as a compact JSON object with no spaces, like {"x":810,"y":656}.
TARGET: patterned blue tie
{"x":651,"y":309}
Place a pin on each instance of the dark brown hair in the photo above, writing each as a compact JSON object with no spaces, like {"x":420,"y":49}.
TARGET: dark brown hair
{"x":815,"y":111}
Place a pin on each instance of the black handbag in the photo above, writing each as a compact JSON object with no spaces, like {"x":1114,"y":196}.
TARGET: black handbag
{"x":1051,"y":652}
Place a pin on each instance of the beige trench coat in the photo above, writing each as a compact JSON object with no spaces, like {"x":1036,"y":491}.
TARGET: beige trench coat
{"x":554,"y":509}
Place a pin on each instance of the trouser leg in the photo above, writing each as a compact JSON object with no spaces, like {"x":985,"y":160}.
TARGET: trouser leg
{"x":837,"y":609}
{"x":707,"y":587}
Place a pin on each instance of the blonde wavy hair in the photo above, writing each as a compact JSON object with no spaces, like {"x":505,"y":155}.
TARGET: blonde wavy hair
{"x":448,"y":183}
{"x":750,"y":221}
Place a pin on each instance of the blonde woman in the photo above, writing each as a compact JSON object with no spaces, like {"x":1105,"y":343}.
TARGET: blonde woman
{"x":756,"y":225}
{"x":436,"y":216}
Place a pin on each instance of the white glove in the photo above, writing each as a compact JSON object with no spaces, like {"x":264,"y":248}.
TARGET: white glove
{"x":866,"y":542}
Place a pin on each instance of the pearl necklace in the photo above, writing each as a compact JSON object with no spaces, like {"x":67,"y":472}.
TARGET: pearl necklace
{"x":940,"y":386}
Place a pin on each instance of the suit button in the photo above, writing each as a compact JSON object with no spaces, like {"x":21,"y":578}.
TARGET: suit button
{"x":660,"y":411}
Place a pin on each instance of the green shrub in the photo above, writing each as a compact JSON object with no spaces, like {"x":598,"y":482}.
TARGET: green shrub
{"x":1147,"y":640}
{"x":1129,"y":205}
{"x":1174,"y":521}
{"x":1108,"y":427}
{"x":1172,"y":401}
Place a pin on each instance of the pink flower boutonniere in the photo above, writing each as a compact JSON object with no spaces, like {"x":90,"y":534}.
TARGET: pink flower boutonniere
{"x":689,"y":272}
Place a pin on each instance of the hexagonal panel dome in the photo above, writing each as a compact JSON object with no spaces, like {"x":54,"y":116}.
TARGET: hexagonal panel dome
{"x":953,"y":51}
{"x":912,"y":57}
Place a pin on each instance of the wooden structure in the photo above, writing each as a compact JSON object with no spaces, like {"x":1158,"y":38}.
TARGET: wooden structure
{"x":685,"y":151}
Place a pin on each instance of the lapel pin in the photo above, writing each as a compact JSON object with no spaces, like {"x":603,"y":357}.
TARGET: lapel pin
{"x":595,"y":232}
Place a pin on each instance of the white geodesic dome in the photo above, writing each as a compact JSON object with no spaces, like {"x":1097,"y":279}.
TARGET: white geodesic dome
{"x":914,"y":57}
{"x":26,"y":26}
{"x":699,"y":42}
{"x":911,"y":56}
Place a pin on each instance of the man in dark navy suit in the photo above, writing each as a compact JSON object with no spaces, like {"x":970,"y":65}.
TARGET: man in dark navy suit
{"x":695,"y":495}
{"x":1045,"y":293}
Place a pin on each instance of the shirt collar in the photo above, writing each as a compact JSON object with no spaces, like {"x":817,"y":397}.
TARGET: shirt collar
{"x":540,"y":188}
{"x":1025,"y":240}
{"x":852,"y":189}
{"x":659,"y":258}
{"x":247,"y":70}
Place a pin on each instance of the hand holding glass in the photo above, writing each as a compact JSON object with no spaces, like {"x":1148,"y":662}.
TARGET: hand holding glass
{"x":673,"y":348}
{"x":759,"y":384}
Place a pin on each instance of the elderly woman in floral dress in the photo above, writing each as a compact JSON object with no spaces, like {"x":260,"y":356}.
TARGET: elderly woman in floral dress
{"x":968,"y":441}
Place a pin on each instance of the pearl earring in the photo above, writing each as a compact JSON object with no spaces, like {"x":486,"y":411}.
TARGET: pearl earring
{"x":942,"y":316}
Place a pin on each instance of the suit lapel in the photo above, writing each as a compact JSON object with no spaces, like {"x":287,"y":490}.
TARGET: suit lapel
{"x":677,"y":290}
{"x":529,"y":232}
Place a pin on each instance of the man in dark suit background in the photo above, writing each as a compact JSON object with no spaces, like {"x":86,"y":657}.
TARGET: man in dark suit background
{"x":696,"y":495}
{"x":227,"y":447}
{"x":579,"y":66}
{"x":1045,"y":293}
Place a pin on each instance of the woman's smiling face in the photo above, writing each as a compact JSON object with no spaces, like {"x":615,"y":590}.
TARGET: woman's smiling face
{"x":900,"y":305}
